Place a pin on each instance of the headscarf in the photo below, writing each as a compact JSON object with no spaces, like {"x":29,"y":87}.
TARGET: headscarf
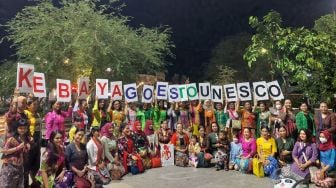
{"x":105,"y":130}
{"x":135,"y":124}
{"x":205,"y":107}
{"x":147,"y":130}
{"x":329,"y":144}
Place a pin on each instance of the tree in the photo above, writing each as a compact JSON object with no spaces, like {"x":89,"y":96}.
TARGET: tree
{"x":225,"y":75}
{"x":326,"y":24}
{"x":228,"y":55}
{"x":78,"y":38}
{"x":307,"y":57}
{"x":7,"y":78}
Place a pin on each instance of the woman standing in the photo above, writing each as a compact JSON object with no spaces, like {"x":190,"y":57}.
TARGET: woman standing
{"x":183,"y":115}
{"x":160,"y":114}
{"x":248,"y":117}
{"x":266,"y":149}
{"x":117,"y":115}
{"x":305,"y":119}
{"x":275,"y":118}
{"x":325,"y":120}
{"x":230,"y":109}
{"x":15,"y":147}
{"x":263,"y":117}
{"x":195,"y":108}
{"x":80,"y":110}
{"x":131,"y":114}
{"x":53,"y":171}
{"x":209,"y":115}
{"x":221,"y":116}
{"x":35,"y":124}
{"x":99,"y":113}
{"x":144,"y":113}
{"x":287,"y":117}
{"x":77,"y":159}
{"x":172,"y":116}
{"x":304,"y":154}
{"x":249,"y":148}
{"x":55,"y":120}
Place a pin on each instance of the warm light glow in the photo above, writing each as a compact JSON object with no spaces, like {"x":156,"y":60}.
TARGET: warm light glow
{"x":66,"y":61}
{"x":263,"y":50}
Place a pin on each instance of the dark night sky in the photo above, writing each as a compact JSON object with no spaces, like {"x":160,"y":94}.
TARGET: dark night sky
{"x":197,"y":25}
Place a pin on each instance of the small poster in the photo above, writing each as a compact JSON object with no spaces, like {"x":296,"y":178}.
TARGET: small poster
{"x":167,"y":154}
{"x":153,"y":141}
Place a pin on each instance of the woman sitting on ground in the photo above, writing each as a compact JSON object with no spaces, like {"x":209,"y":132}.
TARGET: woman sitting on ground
{"x":53,"y":171}
{"x":77,"y":158}
{"x":266,"y":148}
{"x":304,"y":155}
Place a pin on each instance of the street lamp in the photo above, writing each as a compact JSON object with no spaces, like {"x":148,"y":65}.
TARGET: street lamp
{"x":109,"y":71}
{"x":263,"y":50}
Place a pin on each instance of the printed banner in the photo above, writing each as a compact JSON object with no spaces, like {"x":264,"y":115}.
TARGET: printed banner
{"x":29,"y":81}
{"x":167,"y":154}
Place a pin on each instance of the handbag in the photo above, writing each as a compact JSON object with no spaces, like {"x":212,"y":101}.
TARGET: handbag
{"x":67,"y":180}
{"x":245,"y":165}
{"x":258,"y":168}
{"x":322,"y":180}
{"x":116,"y":174}
{"x":236,"y":124}
{"x":181,"y":160}
{"x":147,"y":163}
{"x":156,"y":162}
{"x":208,"y":156}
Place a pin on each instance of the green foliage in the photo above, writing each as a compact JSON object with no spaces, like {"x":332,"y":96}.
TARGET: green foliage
{"x":308,"y":57}
{"x":7,"y":78}
{"x":326,"y":24}
{"x":225,"y":75}
{"x":80,"y":39}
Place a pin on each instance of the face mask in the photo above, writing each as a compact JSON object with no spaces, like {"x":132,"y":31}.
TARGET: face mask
{"x":323,"y":140}
{"x":235,"y":140}
{"x":278,"y":106}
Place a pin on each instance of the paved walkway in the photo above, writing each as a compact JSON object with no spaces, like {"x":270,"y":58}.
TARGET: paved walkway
{"x":176,"y":177}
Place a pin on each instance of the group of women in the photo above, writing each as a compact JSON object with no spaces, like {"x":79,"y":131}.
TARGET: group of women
{"x":108,"y":141}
